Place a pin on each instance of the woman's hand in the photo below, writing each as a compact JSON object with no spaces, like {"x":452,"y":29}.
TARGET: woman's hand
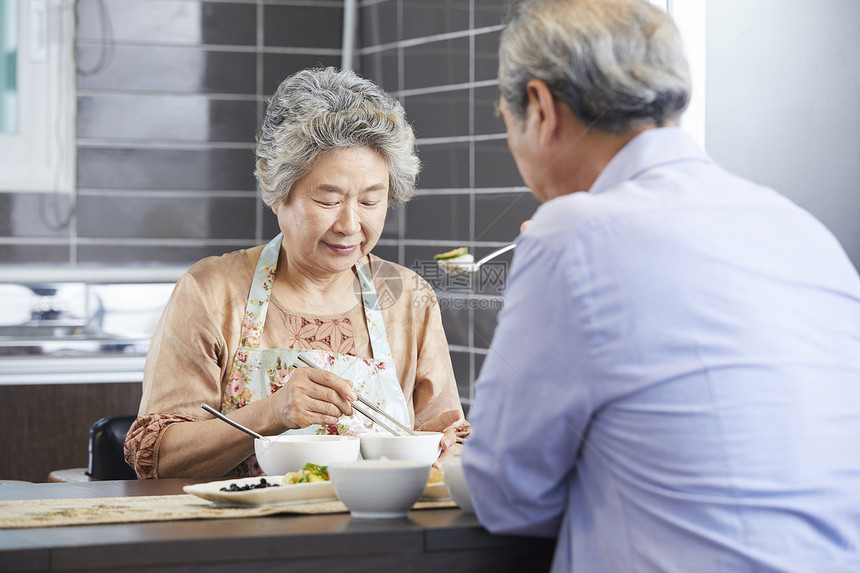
{"x":444,"y":423}
{"x":311,"y":396}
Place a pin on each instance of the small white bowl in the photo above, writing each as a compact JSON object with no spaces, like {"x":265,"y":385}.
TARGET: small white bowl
{"x":455,"y":481}
{"x":425,"y":447}
{"x":290,"y":452}
{"x":379,"y":489}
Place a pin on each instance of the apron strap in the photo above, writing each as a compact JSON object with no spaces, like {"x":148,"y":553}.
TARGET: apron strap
{"x":373,"y":316}
{"x":261,"y":289}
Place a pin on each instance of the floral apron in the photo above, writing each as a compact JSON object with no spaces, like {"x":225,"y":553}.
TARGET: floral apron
{"x":258,"y":372}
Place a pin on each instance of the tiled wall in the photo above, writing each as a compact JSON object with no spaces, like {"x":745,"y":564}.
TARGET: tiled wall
{"x":170,"y":94}
{"x":439,"y":58}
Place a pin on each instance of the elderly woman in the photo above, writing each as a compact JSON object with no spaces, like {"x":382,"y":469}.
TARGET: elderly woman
{"x":333,"y":153}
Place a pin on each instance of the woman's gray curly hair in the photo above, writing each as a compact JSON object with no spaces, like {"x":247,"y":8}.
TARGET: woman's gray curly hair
{"x":618,"y":64}
{"x":317,"y":110}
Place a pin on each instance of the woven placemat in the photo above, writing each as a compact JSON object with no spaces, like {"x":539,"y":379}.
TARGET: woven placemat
{"x":94,"y":511}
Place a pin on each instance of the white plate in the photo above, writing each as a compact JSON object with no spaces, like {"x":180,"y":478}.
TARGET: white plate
{"x":291,"y":493}
{"x":435,"y":491}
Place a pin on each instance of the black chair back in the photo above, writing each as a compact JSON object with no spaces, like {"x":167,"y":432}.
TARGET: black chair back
{"x":107,"y":460}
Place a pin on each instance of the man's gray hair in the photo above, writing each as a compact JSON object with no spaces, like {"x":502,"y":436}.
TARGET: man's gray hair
{"x":319,"y":110}
{"x":618,"y":64}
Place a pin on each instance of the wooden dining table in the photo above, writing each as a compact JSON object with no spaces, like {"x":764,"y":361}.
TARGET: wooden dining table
{"x":433,"y":540}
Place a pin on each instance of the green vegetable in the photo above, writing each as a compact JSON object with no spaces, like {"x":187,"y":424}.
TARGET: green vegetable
{"x":458,"y":252}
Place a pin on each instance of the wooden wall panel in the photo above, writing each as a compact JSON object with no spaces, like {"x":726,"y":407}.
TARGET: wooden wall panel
{"x":46,"y":427}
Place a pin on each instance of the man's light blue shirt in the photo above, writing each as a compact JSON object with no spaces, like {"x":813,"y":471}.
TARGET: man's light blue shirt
{"x":674,"y":382}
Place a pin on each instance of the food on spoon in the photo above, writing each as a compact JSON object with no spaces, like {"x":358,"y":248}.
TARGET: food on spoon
{"x":452,"y":254}
{"x":309,"y":473}
{"x":456,"y":261}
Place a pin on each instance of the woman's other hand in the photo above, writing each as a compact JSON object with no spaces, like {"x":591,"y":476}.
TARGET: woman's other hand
{"x":311,"y":396}
{"x":444,"y":423}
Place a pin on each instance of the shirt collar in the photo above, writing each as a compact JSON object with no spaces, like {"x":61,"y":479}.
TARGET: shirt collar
{"x":649,"y":149}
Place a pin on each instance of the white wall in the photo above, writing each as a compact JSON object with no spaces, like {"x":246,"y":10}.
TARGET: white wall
{"x":783,"y":102}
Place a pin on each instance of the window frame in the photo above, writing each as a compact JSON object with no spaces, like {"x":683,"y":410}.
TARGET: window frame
{"x":41,"y":155}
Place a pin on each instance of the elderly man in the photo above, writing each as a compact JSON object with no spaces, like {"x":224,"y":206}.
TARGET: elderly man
{"x":674,"y":383}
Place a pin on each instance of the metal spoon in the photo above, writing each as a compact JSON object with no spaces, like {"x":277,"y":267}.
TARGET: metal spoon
{"x":461,"y":268}
{"x":233,"y":423}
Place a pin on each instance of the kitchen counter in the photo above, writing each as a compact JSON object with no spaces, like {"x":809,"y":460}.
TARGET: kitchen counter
{"x":87,"y":369}
{"x":435,"y":540}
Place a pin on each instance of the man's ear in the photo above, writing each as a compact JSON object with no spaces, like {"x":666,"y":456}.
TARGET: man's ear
{"x":542,"y":103}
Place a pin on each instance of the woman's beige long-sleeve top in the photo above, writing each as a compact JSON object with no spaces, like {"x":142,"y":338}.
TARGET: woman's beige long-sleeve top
{"x":193,"y":346}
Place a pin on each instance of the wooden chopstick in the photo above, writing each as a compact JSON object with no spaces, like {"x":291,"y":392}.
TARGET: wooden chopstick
{"x":370,"y":405}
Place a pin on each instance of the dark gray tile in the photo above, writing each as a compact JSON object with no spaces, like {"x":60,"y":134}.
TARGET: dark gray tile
{"x":167,"y":118}
{"x":487,"y":56}
{"x":455,"y":321}
{"x":494,"y":165}
{"x":492,"y":277}
{"x":35,"y":215}
{"x":439,"y":114}
{"x":391,"y":230}
{"x":276,"y":67}
{"x":122,"y":216}
{"x":303,"y":26}
{"x":378,"y":24}
{"x":444,"y":166}
{"x":387,"y":252}
{"x":270,"y":224}
{"x":490,"y":12}
{"x":430,"y":17}
{"x":441,"y":217}
{"x":383,"y":68}
{"x":479,"y":363}
{"x":461,"y":362}
{"x":205,"y":169}
{"x":419,"y":258}
{"x":34,"y":254}
{"x":436,"y":63}
{"x":487,"y":121}
{"x":167,"y":70}
{"x":485,"y":322}
{"x":498,"y":216}
{"x":167,"y":22}
{"x":137,"y":255}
